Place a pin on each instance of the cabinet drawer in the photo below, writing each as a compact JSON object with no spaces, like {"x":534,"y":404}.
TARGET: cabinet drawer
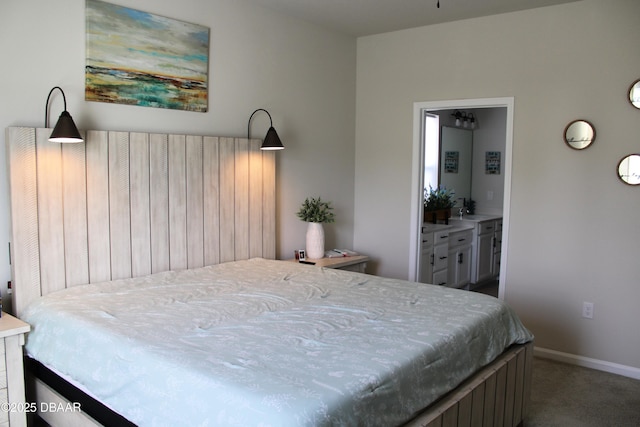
{"x":460,"y":238}
{"x":426,"y":239}
{"x":358,"y":268}
{"x":4,"y":415}
{"x":486,"y":227}
{"x":440,"y":237}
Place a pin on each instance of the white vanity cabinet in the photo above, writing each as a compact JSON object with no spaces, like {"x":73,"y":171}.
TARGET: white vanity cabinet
{"x":484,"y":262}
{"x":484,"y":251}
{"x":433,"y":256}
{"x":486,"y":246}
{"x":497,"y":248}
{"x":440,"y":257}
{"x":426,"y":257}
{"x":459,"y":258}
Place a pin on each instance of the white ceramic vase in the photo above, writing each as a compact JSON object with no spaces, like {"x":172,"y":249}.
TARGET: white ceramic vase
{"x":315,"y":240}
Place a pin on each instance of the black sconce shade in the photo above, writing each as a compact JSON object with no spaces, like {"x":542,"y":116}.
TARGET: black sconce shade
{"x":65,"y":129}
{"x":271,"y":140}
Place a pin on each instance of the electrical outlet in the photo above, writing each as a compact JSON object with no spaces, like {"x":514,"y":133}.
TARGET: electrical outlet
{"x":587,"y":310}
{"x":489,"y":195}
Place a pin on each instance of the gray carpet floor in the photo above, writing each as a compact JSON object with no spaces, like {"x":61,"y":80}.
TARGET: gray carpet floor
{"x":565,"y":395}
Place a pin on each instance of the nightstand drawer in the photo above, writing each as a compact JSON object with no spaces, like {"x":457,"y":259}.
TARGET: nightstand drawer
{"x":12,"y":332}
{"x":4,"y":415}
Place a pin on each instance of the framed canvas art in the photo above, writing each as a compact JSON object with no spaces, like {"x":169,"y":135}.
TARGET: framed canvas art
{"x":139,"y":58}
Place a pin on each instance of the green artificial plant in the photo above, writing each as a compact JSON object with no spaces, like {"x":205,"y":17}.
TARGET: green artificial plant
{"x":437,"y":199}
{"x":316,"y":210}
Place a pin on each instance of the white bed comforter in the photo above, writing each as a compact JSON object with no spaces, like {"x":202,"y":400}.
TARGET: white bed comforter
{"x":268,"y":343}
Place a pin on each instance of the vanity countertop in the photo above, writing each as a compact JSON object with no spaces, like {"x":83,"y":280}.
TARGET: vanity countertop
{"x":461,"y":226}
{"x":474,"y":218}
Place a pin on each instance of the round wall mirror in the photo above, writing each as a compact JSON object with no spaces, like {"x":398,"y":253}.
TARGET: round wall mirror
{"x":629,"y":169}
{"x":579,"y":134}
{"x":634,"y":94}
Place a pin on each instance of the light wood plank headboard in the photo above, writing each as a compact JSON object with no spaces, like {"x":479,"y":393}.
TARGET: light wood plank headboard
{"x":127,"y":204}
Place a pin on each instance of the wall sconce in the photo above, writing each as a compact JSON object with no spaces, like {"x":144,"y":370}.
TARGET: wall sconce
{"x":271,"y":140}
{"x":65,"y":129}
{"x":464,"y":119}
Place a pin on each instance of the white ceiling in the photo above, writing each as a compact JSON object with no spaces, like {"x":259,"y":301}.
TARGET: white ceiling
{"x":366,"y":17}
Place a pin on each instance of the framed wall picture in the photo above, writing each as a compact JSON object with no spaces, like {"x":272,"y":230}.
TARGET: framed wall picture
{"x":138,"y":58}
{"x":451,"y":161}
{"x":492,"y":163}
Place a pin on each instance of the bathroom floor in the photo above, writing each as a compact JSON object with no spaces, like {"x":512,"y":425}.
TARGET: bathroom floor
{"x":489,"y":288}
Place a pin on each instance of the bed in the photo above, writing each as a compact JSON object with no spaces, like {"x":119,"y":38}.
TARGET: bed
{"x":183,"y":228}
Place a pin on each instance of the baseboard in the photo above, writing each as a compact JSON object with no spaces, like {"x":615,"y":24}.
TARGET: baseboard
{"x":587,"y":362}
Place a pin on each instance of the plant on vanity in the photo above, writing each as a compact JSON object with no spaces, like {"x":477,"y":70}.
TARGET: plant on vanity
{"x":437,"y":199}
{"x":315,"y":212}
{"x":438,"y":204}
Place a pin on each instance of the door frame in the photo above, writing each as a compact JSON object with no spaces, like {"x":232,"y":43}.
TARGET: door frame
{"x":417,"y":176}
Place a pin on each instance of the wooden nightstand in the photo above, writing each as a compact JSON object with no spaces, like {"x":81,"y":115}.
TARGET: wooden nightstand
{"x":13,"y":408}
{"x":357,"y":263}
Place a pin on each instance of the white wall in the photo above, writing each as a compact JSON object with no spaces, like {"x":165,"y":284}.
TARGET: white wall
{"x":574,"y":233}
{"x":489,"y":136}
{"x":302,"y":74}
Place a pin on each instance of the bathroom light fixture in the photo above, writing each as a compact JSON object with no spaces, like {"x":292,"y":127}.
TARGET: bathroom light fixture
{"x":464,"y":119}
{"x":65,"y":129}
{"x":271,"y":140}
{"x":458,"y":116}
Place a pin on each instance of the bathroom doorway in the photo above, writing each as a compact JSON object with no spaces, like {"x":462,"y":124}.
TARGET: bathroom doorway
{"x":424,"y":110}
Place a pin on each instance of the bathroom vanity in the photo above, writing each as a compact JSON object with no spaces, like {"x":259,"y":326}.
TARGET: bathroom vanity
{"x":446,"y":253}
{"x":463,"y":253}
{"x":486,"y":246}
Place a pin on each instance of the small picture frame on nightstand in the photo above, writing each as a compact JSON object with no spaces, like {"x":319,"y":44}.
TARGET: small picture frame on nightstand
{"x":302,"y":255}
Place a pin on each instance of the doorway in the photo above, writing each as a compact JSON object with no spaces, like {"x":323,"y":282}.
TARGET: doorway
{"x":418,"y":173}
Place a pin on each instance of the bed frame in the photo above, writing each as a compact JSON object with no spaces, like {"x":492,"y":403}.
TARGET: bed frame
{"x":127,"y":204}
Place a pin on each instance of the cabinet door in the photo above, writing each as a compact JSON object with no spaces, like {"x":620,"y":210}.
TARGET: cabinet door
{"x":464,"y":266}
{"x":484,"y":264}
{"x":440,"y":257}
{"x":452,"y":268}
{"x":426,"y":265}
{"x":496,"y":263}
{"x":497,"y":243}
{"x":440,"y":277}
{"x":459,"y":267}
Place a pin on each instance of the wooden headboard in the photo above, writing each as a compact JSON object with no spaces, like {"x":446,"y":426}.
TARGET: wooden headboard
{"x":127,"y":204}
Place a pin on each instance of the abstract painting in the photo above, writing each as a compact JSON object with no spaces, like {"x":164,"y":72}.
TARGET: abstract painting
{"x":139,"y":58}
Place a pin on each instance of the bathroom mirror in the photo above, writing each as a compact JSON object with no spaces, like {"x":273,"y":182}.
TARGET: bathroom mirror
{"x":579,"y":134}
{"x":629,"y":169}
{"x":456,"y":153}
{"x":634,"y":94}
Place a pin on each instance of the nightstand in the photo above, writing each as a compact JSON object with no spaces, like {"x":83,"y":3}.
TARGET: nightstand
{"x":357,"y":263}
{"x":13,"y":408}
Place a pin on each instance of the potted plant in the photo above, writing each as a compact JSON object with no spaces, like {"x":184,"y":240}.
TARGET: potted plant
{"x":438,"y":203}
{"x":315,"y":212}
